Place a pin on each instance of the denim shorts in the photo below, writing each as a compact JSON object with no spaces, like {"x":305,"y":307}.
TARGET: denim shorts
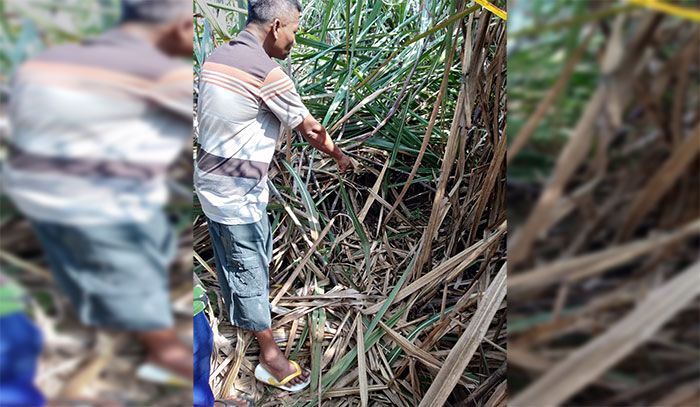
{"x":242,"y":254}
{"x":116,"y":276}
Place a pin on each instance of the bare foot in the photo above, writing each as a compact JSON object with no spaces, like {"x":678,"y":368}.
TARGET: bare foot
{"x":176,"y":357}
{"x":272,"y":358}
{"x":280,"y":368}
{"x":166,"y":350}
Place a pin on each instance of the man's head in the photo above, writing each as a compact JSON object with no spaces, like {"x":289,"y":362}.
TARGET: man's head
{"x":278,"y":21}
{"x":168,"y":22}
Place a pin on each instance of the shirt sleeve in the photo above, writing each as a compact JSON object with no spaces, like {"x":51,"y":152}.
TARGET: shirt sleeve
{"x":281,"y":97}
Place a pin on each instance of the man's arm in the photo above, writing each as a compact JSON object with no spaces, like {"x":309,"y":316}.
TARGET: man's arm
{"x":282,"y":99}
{"x":316,"y":135}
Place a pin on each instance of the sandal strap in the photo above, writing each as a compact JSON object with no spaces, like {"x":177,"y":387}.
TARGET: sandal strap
{"x":292,"y":376}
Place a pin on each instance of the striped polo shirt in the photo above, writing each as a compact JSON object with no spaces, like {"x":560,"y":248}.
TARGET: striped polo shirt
{"x":94,"y":127}
{"x":244,"y":100}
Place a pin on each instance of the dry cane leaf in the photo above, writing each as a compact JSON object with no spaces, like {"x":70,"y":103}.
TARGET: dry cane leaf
{"x":597,"y":356}
{"x":462,"y":352}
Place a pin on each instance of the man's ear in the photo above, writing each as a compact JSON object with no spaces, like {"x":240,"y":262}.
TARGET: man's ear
{"x":182,"y":33}
{"x":276,"y":25}
{"x":186,"y":29}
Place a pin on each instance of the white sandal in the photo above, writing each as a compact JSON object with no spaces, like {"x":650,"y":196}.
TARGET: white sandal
{"x":263,"y":375}
{"x":153,"y":373}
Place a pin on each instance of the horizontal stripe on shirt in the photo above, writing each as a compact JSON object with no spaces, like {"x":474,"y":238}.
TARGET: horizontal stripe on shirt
{"x":84,"y":167}
{"x":232,"y":167}
{"x":228,"y":87}
{"x":231,"y":80}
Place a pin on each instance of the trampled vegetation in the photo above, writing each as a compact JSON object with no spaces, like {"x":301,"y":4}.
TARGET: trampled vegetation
{"x":387,"y":282}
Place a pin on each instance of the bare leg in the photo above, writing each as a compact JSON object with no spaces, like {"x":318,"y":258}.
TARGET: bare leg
{"x":273,"y":359}
{"x":165,"y":349}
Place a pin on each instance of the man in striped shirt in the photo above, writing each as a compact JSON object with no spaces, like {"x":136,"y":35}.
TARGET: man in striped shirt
{"x":95,"y":126}
{"x":244,"y":99}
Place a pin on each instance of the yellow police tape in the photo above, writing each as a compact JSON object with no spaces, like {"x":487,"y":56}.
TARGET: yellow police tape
{"x":658,"y":5}
{"x":495,"y":10}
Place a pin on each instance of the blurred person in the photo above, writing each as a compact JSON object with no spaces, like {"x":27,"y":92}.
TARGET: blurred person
{"x":202,"y":394}
{"x":20,"y":346}
{"x":203,"y":342}
{"x":244,"y":98}
{"x":94,"y":127}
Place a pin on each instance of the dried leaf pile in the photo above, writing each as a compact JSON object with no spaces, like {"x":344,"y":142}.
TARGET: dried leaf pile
{"x":387,"y":283}
{"x":604,"y":273}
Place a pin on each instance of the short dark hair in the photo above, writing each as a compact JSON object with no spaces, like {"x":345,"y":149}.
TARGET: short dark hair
{"x":264,"y":11}
{"x":153,"y":11}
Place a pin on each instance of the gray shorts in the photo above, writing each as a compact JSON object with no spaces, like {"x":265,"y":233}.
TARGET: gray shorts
{"x":242,"y":254}
{"x":116,"y":276}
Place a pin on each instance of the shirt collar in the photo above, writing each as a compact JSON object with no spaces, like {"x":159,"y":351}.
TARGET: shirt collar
{"x":247,"y":38}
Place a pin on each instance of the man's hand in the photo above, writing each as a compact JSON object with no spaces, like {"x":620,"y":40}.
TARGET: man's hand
{"x":316,"y":135}
{"x":345,"y":164}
